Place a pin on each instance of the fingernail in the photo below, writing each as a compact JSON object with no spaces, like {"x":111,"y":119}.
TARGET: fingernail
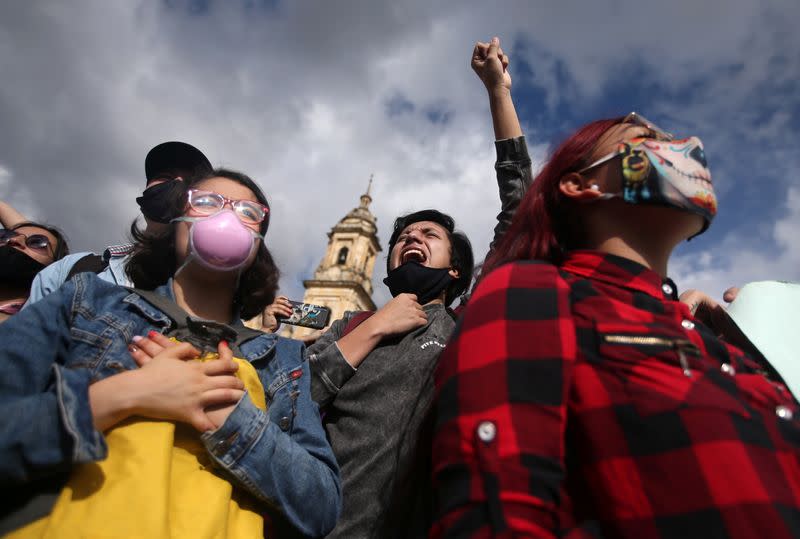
{"x":152,"y":333}
{"x":133,"y":349}
{"x":137,"y":338}
{"x":225,"y":343}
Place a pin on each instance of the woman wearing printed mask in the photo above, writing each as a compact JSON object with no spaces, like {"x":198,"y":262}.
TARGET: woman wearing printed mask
{"x":579,"y":397}
{"x":199,"y":428}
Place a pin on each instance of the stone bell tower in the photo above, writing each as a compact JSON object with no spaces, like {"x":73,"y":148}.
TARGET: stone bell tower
{"x":343,"y":280}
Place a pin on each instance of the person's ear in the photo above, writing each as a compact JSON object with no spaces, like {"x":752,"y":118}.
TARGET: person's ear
{"x":454,"y":273}
{"x":576,"y":187}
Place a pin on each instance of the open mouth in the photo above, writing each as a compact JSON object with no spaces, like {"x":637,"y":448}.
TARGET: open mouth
{"x":412,"y":254}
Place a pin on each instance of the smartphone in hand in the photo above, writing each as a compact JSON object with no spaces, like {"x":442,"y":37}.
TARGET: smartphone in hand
{"x":307,"y":315}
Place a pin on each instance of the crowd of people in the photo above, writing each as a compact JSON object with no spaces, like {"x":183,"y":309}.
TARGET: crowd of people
{"x":571,"y":393}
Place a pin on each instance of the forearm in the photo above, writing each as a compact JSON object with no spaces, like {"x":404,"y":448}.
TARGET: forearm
{"x":286,"y":469}
{"x":112,"y":399}
{"x":44,"y":432}
{"x":504,"y":114}
{"x":9,"y":216}
{"x":47,"y":421}
{"x":513,"y":168}
{"x":329,"y":369}
{"x":499,"y":456}
{"x":356,"y":345}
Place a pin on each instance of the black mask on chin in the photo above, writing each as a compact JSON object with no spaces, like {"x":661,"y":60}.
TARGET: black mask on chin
{"x":17,"y":269}
{"x":414,"y":278}
{"x":158,"y":202}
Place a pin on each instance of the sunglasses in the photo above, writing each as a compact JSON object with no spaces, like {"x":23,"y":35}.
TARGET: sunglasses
{"x":37,"y":242}
{"x":634,"y":118}
{"x":209,"y":203}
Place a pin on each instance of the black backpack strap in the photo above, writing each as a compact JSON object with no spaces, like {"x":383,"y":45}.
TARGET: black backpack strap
{"x":91,"y":263}
{"x":205,"y":334}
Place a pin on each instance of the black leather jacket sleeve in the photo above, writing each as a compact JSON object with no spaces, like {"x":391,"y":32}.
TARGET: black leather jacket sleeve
{"x":514,"y":176}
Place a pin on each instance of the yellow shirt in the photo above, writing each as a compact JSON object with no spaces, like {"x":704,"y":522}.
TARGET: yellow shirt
{"x":157,"y":481}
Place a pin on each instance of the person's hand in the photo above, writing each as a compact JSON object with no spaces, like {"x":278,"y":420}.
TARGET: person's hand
{"x":218,"y":413}
{"x":399,"y":316}
{"x":172,"y":388}
{"x":489,"y":63}
{"x":730,"y":294}
{"x":711,"y":313}
{"x":269,"y":318}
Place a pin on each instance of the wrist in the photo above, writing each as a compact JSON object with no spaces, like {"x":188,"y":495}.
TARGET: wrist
{"x":375,"y":328}
{"x":113,"y":399}
{"x":132,"y":392}
{"x":497,"y":93}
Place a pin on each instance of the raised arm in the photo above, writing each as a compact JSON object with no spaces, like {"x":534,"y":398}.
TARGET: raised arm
{"x":9,"y":216}
{"x":513,"y":164}
{"x":502,"y":387}
{"x":491,"y":65}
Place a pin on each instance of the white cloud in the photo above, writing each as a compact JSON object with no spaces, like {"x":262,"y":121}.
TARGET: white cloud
{"x":296,"y":96}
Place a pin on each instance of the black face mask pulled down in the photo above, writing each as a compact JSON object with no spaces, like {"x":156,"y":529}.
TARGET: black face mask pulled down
{"x":414,"y":278}
{"x":17,"y":269}
{"x":158,"y":202}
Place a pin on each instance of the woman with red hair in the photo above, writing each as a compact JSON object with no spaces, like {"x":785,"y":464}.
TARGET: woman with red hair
{"x":579,"y":397}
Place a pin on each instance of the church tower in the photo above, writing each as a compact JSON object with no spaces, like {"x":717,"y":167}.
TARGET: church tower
{"x":343,"y":280}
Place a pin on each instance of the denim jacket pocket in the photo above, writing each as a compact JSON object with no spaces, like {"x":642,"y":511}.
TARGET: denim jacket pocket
{"x":100,"y":341}
{"x":90,"y":347}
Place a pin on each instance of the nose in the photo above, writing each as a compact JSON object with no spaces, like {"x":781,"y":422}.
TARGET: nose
{"x":413,"y":235}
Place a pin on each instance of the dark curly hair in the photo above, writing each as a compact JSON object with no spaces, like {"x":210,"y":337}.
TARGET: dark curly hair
{"x":153,"y":260}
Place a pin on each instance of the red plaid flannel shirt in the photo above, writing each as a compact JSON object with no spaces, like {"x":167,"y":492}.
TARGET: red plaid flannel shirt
{"x":585,"y":401}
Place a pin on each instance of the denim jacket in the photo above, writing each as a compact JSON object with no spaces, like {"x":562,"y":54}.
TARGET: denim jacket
{"x":53,"y":350}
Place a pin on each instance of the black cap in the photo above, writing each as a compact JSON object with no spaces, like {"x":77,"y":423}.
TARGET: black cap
{"x":172,"y":156}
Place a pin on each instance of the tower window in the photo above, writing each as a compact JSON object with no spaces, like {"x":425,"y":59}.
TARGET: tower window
{"x":342,"y":259}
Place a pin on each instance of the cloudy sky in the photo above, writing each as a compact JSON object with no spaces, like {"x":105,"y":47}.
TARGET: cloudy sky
{"x":311,"y":97}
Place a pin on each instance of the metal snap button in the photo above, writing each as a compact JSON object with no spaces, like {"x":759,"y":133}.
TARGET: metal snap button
{"x":667,"y":288}
{"x":487,"y":431}
{"x":687,"y":324}
{"x":223,"y":446}
{"x":784,"y":412}
{"x":728,"y":369}
{"x":284,"y":423}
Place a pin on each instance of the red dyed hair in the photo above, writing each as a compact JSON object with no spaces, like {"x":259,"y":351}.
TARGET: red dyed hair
{"x":540,"y":227}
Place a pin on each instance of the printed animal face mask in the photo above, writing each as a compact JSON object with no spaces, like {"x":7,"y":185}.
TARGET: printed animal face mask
{"x":666,"y":173}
